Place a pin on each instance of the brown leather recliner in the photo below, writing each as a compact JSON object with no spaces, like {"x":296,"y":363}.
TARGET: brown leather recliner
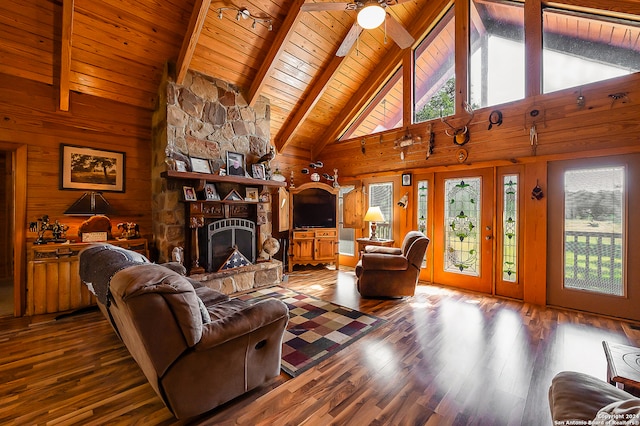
{"x":197,"y":347}
{"x":392,"y":272}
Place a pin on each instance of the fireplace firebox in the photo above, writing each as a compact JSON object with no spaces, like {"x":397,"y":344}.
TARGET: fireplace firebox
{"x":220,"y":237}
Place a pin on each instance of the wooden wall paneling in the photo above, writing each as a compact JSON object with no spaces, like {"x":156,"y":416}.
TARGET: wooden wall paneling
{"x":29,"y":38}
{"x":92,"y":122}
{"x":535,"y":235}
{"x":65,"y":52}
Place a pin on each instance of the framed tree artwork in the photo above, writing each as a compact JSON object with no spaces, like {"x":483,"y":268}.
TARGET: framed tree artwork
{"x":91,"y":169}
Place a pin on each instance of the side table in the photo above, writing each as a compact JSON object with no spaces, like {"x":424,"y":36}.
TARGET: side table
{"x":623,"y":366}
{"x":363,"y":242}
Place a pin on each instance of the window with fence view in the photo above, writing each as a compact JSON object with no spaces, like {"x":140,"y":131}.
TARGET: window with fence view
{"x":594,"y":205}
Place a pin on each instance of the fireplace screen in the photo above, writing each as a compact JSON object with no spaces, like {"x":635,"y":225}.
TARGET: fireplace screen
{"x":223,"y":235}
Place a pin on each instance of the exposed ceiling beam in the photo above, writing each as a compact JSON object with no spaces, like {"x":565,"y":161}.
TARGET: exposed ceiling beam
{"x":65,"y":53}
{"x":317,"y":88}
{"x":190,"y":41}
{"x":419,"y":26}
{"x":277,"y":46}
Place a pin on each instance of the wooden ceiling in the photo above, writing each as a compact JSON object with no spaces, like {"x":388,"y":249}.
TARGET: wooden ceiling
{"x":117,"y":49}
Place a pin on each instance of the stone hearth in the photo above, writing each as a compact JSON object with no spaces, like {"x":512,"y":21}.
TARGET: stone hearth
{"x":262,"y":274}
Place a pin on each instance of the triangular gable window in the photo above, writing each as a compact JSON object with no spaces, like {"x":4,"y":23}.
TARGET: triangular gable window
{"x":384,"y":112}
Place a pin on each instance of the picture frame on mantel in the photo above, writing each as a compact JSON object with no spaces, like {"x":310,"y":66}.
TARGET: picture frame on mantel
{"x":200,"y":165}
{"x":91,"y":169}
{"x":235,"y":164}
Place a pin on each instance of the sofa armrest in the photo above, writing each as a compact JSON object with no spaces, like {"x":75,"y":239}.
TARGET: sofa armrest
{"x":384,"y":250}
{"x":381,"y":261}
{"x":241,"y":321}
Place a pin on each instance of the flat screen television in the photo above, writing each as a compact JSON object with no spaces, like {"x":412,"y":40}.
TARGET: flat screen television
{"x":314,"y":208}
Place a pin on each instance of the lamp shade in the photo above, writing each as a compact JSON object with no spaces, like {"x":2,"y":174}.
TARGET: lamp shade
{"x":89,"y":204}
{"x":374,"y":214}
{"x":371,"y":16}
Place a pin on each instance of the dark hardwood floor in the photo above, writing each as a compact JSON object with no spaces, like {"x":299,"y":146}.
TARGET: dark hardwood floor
{"x":444,"y":357}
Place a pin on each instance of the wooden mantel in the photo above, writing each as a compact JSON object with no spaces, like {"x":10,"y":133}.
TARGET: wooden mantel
{"x":209,"y":177}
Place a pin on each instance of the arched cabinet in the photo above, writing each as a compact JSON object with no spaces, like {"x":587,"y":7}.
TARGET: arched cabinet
{"x":313,"y":230}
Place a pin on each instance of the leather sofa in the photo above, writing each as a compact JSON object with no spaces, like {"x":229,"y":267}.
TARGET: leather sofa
{"x":580,"y":399}
{"x":390,"y":271}
{"x":197,"y":347}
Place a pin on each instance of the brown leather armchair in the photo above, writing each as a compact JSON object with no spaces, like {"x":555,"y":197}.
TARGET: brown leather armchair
{"x":392,"y":272}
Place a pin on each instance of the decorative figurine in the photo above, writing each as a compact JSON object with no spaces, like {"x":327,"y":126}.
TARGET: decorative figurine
{"x":43,"y":225}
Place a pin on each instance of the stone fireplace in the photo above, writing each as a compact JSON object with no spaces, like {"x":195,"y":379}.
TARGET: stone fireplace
{"x":204,"y":118}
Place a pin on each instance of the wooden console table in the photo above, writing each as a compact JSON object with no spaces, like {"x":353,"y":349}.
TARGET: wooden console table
{"x":53,"y":276}
{"x":623,"y":366}
{"x":363,"y":242}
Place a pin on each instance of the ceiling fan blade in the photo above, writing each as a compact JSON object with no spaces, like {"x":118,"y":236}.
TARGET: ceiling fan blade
{"x":349,"y":40}
{"x":318,"y":7}
{"x":398,"y":33}
{"x":394,"y":2}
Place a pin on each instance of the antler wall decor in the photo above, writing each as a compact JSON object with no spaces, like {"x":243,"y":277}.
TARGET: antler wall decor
{"x":460,"y":134}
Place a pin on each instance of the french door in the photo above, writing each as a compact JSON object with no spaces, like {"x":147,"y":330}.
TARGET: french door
{"x":592,"y":235}
{"x":463,"y":229}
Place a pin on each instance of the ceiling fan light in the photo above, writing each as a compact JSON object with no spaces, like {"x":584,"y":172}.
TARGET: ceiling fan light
{"x":371,"y":16}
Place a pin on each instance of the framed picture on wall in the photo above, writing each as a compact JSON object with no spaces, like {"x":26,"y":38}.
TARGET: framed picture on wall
{"x":91,"y":169}
{"x":406,"y":179}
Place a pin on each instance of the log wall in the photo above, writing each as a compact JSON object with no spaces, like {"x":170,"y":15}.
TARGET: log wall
{"x":29,"y":117}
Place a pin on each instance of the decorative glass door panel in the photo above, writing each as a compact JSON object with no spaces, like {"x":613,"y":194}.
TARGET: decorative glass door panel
{"x":463,"y":235}
{"x":510,"y":228}
{"x":461,"y":222}
{"x":509,"y":249}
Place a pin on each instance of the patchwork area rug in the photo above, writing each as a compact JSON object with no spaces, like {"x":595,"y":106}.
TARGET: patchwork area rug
{"x":317,"y":329}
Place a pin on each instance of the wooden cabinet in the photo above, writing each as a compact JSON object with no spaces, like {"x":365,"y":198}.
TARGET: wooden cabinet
{"x":53,"y":278}
{"x":313,"y":247}
{"x":313,"y":244}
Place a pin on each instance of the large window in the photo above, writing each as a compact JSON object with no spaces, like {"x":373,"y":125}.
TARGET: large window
{"x":381,"y":195}
{"x":434,"y":72}
{"x":497,"y":52}
{"x":593,"y":230}
{"x":580,"y":48}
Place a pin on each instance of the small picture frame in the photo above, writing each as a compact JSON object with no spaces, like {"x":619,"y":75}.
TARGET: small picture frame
{"x":210,"y":192}
{"x":406,"y":179}
{"x":181,"y":166}
{"x":200,"y":165}
{"x":189,"y":193}
{"x":258,"y":171}
{"x":235,"y":164}
{"x":252,"y":194}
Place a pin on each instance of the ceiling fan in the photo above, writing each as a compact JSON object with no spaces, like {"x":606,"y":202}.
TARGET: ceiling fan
{"x":371,"y":14}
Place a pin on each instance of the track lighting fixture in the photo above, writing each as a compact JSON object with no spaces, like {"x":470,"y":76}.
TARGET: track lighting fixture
{"x":243,"y":13}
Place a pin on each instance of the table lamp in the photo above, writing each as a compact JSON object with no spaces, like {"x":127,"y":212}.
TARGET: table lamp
{"x":374,"y":215}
